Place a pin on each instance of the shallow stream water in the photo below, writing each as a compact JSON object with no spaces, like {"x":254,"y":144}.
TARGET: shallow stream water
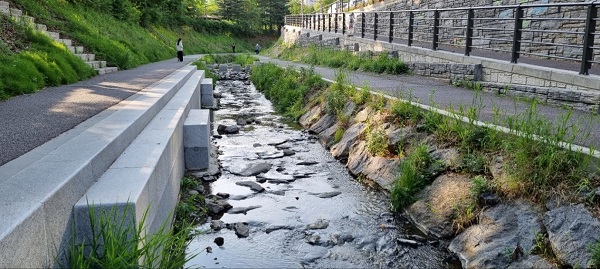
{"x":307,"y":188}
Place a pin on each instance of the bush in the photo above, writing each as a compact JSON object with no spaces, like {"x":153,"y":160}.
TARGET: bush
{"x":286,"y":88}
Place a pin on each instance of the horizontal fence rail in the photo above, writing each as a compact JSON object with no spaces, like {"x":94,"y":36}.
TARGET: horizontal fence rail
{"x":561,"y":31}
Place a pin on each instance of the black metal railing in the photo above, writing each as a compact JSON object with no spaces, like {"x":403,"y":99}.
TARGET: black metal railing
{"x":562,"y":31}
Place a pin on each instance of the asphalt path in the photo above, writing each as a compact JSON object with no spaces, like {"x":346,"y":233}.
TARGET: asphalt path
{"x":28,"y":121}
{"x":438,"y":93}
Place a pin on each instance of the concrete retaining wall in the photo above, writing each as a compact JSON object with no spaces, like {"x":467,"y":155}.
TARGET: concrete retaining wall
{"x":39,"y":189}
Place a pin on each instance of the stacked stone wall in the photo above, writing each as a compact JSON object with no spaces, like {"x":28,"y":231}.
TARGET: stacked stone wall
{"x":451,"y":32}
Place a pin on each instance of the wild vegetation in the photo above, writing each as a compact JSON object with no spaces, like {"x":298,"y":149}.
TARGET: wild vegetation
{"x":126,"y":34}
{"x":368,"y":62}
{"x":118,"y":242}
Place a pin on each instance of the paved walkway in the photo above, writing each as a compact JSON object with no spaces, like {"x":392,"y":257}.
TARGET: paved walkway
{"x":31,"y":120}
{"x":440,"y":94}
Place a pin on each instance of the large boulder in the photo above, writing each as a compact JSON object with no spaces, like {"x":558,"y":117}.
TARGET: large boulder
{"x":322,"y":124}
{"x":439,"y":203}
{"x":571,"y":230}
{"x":363,"y":115}
{"x":327,"y":137}
{"x":504,"y":234}
{"x":311,"y":116}
{"x":381,"y":170}
{"x":341,"y":149}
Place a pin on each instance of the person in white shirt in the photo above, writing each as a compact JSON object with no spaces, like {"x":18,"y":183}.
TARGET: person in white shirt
{"x":180,"y":50}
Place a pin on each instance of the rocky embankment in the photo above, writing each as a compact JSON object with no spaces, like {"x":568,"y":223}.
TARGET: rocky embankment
{"x":507,"y":233}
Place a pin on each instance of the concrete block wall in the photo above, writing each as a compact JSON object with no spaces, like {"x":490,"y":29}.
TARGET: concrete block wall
{"x":145,"y":178}
{"x":39,"y":189}
{"x":563,"y":87}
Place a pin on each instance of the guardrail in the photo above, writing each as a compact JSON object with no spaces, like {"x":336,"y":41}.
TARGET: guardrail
{"x":561,"y":31}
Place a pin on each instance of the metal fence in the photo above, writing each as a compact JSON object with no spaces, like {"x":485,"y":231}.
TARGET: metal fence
{"x":561,"y":31}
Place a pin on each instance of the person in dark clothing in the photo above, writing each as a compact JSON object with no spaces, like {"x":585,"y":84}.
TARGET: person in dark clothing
{"x":233,"y":47}
{"x":179,"y":50}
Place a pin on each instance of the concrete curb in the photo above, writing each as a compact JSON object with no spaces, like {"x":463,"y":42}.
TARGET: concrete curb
{"x":38,"y":194}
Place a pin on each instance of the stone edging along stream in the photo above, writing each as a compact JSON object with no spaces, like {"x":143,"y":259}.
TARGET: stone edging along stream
{"x":509,"y":234}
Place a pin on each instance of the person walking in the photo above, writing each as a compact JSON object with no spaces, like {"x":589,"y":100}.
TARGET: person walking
{"x":179,"y":50}
{"x":233,"y":47}
{"x":257,"y":48}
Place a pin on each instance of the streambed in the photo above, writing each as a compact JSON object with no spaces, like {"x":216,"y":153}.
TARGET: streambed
{"x":292,"y":204}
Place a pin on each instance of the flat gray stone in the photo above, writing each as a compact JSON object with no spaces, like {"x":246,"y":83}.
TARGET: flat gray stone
{"x":253,"y":169}
{"x":571,"y":230}
{"x":241,"y":229}
{"x":500,"y":230}
{"x":320,"y":224}
{"x":252,"y":185}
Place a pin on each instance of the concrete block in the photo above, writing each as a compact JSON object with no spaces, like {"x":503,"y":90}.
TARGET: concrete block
{"x":236,"y":68}
{"x":28,"y":20}
{"x":41,"y":27}
{"x":53,"y":35}
{"x":196,"y":158}
{"x":531,"y":71}
{"x":248,"y":68}
{"x":588,"y":82}
{"x":207,"y":100}
{"x":223,"y":68}
{"x":196,"y":128}
{"x":207,"y":87}
{"x":16,"y":12}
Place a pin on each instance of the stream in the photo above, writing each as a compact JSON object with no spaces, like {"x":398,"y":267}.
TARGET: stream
{"x":293,"y":205}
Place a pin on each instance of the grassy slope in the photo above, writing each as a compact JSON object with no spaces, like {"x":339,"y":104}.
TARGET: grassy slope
{"x":120,"y":44}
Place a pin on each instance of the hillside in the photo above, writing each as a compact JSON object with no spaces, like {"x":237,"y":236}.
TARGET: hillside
{"x":30,"y":60}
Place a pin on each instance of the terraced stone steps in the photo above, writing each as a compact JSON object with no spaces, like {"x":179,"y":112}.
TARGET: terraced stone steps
{"x":90,"y":59}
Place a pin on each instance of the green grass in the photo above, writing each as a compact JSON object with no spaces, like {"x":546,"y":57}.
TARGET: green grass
{"x":377,"y":141}
{"x":595,"y":251}
{"x":118,"y":242}
{"x":30,"y":61}
{"x":413,"y":177}
{"x":286,"y":88}
{"x":44,"y":63}
{"x":344,"y":59}
{"x":241,"y":59}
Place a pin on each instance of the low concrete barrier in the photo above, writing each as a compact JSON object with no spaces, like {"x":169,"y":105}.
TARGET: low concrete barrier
{"x":39,"y":189}
{"x":146,"y":176}
{"x":207,"y":89}
{"x":196,"y":139}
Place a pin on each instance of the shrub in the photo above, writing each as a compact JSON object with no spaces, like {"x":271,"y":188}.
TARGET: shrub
{"x":416,"y":172}
{"x":377,"y":142}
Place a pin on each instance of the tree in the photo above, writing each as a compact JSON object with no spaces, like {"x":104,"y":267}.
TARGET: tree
{"x":274,"y":11}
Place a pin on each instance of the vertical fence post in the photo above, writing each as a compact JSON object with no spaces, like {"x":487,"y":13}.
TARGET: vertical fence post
{"x":318,"y":22}
{"x":391,"y":27}
{"x":343,"y":23}
{"x":329,"y":22}
{"x":375,"y":16}
{"x":516,"y":47}
{"x":588,"y":38}
{"x":362,"y":25}
{"x":336,"y":23}
{"x":436,"y":29}
{"x":411,"y":18}
{"x":469,"y":32}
